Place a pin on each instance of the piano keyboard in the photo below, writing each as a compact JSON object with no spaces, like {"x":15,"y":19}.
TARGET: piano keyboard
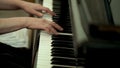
{"x":57,"y":51}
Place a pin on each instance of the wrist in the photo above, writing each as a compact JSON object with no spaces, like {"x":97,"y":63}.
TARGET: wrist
{"x":15,"y":3}
{"x":21,"y":4}
{"x":23,"y":21}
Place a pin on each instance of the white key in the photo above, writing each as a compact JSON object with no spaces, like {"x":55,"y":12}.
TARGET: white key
{"x":44,"y":50}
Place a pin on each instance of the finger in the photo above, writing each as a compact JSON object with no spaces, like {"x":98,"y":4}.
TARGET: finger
{"x":48,"y":10}
{"x":53,"y":31}
{"x":57,"y":26}
{"x":47,"y":30}
{"x":35,"y":13}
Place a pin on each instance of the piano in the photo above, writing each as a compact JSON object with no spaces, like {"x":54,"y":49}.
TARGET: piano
{"x":65,"y":50}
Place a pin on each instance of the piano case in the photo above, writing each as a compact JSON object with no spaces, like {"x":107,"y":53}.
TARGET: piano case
{"x":103,"y":50}
{"x":101,"y":54}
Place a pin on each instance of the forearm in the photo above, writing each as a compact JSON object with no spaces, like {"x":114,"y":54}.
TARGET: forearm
{"x":11,"y":24}
{"x":10,"y":4}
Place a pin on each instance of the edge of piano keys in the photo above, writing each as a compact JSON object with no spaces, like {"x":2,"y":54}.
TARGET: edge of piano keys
{"x":69,"y":34}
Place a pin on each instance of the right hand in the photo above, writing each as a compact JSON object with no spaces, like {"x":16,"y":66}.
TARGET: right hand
{"x":48,"y":26}
{"x":34,"y":8}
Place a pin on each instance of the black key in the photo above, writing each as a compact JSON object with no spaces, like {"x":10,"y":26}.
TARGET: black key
{"x":70,"y":51}
{"x":81,"y":62}
{"x":60,"y":41}
{"x":57,"y":2}
{"x":62,"y":45}
{"x":67,"y":26}
{"x":63,"y":54}
{"x":62,"y":51}
{"x":56,"y":8}
{"x":63,"y":61}
{"x":64,"y":23}
{"x":57,"y":16}
{"x":57,"y":37}
{"x":56,"y":21}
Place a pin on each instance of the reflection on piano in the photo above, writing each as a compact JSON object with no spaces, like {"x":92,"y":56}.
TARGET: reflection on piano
{"x":66,"y":49}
